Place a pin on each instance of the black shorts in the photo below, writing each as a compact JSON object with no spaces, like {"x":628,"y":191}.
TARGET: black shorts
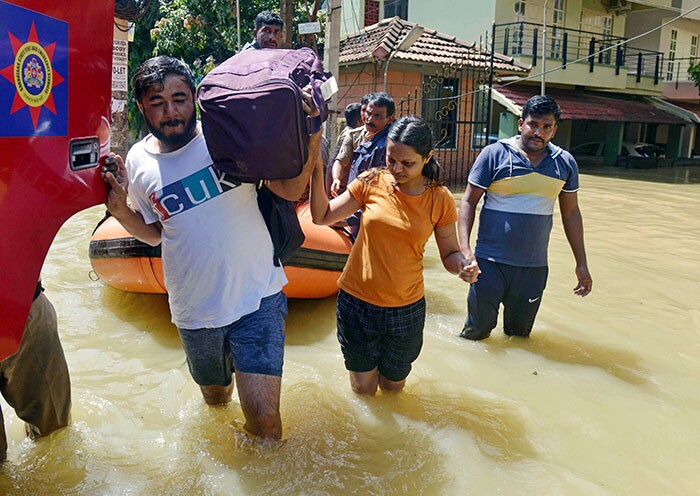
{"x":519,"y":289}
{"x":388,"y":338}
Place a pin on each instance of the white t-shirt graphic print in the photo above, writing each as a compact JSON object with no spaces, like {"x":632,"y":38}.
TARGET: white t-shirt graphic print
{"x":216,"y":250}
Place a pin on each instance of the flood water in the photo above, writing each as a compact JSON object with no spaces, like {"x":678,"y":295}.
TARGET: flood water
{"x":601,"y":400}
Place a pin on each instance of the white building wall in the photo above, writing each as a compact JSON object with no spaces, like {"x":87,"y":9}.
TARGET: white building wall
{"x":468,"y":20}
{"x":644,"y":21}
{"x":352,"y":16}
{"x":465,"y":19}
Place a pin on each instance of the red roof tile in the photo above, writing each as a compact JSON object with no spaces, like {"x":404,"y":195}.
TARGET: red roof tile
{"x":587,"y":105}
{"x":690,"y":106}
{"x":376,"y":42}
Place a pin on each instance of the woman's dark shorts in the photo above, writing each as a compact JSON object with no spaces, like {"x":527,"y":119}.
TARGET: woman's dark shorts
{"x":389,"y":338}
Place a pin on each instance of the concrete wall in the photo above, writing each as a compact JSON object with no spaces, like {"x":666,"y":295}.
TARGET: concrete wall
{"x":643,"y":22}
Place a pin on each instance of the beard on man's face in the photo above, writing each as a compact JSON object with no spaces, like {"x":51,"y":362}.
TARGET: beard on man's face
{"x":173,"y":140}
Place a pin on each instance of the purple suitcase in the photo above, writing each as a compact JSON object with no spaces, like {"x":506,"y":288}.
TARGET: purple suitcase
{"x":251,"y":112}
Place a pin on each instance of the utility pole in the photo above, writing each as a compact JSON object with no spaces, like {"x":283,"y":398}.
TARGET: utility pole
{"x":544,"y":47}
{"x":120,"y":88}
{"x":238,"y":25}
{"x":332,"y":54}
{"x":287,"y":15}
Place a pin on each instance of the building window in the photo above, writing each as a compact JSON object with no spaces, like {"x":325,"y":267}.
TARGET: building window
{"x":396,"y":8}
{"x":557,"y":35}
{"x":517,"y":37}
{"x":597,"y":27}
{"x":439,"y":108}
{"x":519,"y":10}
{"x":693,"y":53}
{"x":607,"y":39}
{"x":671,"y":55}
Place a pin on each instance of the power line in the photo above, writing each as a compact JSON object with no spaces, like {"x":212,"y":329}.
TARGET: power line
{"x":581,"y":59}
{"x":364,"y":44}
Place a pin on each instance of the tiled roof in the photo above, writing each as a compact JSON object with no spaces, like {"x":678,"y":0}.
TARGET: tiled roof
{"x":579,"y":105}
{"x":376,"y":42}
{"x":691,"y":106}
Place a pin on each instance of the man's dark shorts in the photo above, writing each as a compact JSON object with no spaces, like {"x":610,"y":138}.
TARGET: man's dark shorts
{"x":253,"y":344}
{"x":389,"y":338}
{"x":520,"y":289}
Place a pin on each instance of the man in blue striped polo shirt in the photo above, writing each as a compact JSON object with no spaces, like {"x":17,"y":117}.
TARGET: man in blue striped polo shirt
{"x":520,"y":179}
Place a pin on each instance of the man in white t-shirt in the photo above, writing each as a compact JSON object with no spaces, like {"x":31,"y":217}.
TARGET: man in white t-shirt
{"x":224,"y":291}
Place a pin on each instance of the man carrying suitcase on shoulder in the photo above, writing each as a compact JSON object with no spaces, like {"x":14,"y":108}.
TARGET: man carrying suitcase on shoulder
{"x":224,"y":291}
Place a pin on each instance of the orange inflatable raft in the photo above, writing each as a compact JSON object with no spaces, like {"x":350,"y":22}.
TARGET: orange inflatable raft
{"x":125,"y":263}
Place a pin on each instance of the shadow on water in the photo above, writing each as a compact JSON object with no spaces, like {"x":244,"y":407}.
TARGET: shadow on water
{"x":438,"y":303}
{"x":147,"y":312}
{"x":498,"y":432}
{"x":564,"y":349}
{"x":671,"y":175}
{"x":310,"y":321}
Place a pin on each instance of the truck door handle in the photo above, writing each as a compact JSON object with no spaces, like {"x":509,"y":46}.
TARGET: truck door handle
{"x":84,"y":153}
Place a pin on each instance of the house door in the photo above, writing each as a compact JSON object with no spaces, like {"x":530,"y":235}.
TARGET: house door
{"x":555,"y":44}
{"x":599,"y":26}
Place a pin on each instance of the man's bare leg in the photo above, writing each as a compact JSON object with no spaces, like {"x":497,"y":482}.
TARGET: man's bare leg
{"x":260,"y":401}
{"x":217,"y":395}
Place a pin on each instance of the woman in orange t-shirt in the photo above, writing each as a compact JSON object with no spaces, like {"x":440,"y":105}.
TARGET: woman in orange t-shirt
{"x":381,"y":304}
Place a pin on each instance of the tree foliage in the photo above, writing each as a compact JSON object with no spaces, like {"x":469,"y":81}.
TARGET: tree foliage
{"x":694,"y":72}
{"x":200,"y":32}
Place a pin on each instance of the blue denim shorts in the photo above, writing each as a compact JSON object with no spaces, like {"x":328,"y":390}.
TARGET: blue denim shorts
{"x":253,"y":344}
{"x":388,"y":338}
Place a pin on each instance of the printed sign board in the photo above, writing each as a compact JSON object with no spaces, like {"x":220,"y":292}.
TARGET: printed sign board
{"x":309,"y":27}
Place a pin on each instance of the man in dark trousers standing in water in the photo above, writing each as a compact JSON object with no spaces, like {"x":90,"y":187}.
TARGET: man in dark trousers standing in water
{"x":521,"y":179}
{"x":35,"y":380}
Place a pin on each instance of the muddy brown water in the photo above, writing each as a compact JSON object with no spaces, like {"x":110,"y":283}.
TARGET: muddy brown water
{"x":602,"y":399}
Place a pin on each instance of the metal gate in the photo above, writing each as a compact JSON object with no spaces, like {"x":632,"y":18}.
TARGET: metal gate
{"x":455,"y":102}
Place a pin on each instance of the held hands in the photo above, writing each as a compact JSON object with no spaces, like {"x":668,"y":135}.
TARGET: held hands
{"x":585,"y":281}
{"x":469,"y":271}
{"x":113,"y":172}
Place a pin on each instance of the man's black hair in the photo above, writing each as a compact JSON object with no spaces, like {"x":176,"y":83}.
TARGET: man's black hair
{"x":541,"y":105}
{"x":352,"y":114}
{"x":382,"y":99}
{"x":154,"y":71}
{"x":267,"y":17}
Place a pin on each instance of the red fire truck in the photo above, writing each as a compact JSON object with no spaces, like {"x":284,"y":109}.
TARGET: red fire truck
{"x":55,"y":91}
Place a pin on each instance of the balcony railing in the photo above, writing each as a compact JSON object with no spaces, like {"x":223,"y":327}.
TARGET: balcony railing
{"x":676,"y":70}
{"x":524,"y":39}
